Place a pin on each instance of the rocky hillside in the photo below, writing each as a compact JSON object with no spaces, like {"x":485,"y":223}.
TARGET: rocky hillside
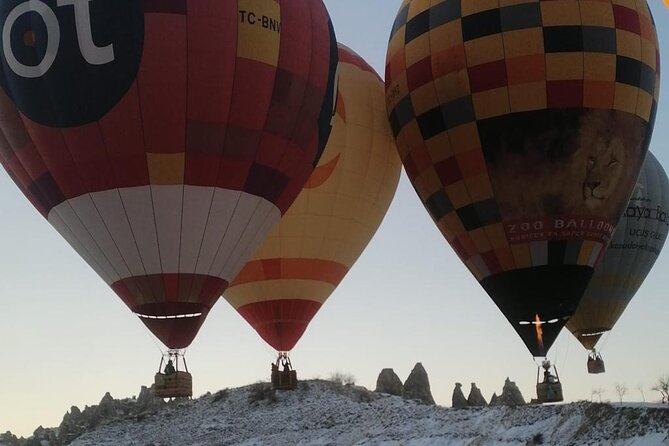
{"x":327,"y":413}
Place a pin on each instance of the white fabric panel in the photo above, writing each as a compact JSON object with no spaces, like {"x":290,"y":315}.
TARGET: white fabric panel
{"x":249,"y":217}
{"x":167,"y":206}
{"x":222,"y":208}
{"x":91,"y":218}
{"x":139,"y":208}
{"x":70,"y":218}
{"x":60,"y":226}
{"x":138,"y":231}
{"x":110,"y":207}
{"x":271,"y":219}
{"x":196,"y":205}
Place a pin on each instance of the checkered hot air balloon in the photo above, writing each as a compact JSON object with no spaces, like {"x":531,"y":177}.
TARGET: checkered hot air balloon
{"x":165,"y":138}
{"x":523,"y":126}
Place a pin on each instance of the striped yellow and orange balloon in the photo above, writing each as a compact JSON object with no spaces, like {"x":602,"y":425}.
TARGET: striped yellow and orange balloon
{"x":324,"y":232}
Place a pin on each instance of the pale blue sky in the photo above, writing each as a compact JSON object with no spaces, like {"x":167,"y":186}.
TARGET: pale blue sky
{"x":67,"y":339}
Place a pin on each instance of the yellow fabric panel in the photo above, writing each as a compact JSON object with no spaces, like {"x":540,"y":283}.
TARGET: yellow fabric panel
{"x":166,"y":168}
{"x":629,"y":44}
{"x":484,"y":50}
{"x":600,"y":67}
{"x":255,"y":42}
{"x":277,"y":289}
{"x":560,"y":13}
{"x":527,"y":97}
{"x":597,"y":13}
{"x":335,"y":220}
{"x":492,"y":103}
{"x":564,"y":66}
{"x":469,"y":8}
{"x":626,"y":98}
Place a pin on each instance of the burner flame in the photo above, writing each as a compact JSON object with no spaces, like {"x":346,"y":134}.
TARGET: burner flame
{"x":540,"y":333}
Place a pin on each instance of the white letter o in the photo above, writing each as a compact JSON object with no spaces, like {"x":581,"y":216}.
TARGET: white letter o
{"x":53,"y":39}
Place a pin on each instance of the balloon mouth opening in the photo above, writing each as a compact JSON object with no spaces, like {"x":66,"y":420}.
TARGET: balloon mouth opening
{"x":539,"y":322}
{"x":170,"y":311}
{"x":593,"y":333}
{"x":167,"y":317}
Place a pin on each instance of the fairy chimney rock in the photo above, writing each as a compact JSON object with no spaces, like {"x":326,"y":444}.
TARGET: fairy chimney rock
{"x":388,"y":382}
{"x":417,"y":386}
{"x":511,"y":395}
{"x":459,"y":400}
{"x":476,"y":398}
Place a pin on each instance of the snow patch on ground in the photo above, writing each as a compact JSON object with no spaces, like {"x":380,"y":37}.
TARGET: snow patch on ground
{"x":324,"y":413}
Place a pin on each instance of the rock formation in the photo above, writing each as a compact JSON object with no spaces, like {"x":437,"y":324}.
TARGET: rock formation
{"x":510,"y":396}
{"x":389,"y":382}
{"x":458,"y":401}
{"x":494,"y":400}
{"x":417,"y":385}
{"x":475,"y":398}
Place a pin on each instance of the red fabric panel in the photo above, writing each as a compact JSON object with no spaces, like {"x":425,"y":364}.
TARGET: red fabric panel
{"x":297,"y":22}
{"x":57,"y":159}
{"x":564,"y":94}
{"x":252,"y":92}
{"x":303,"y":139}
{"x":627,"y":19}
{"x":419,"y":73}
{"x":124,"y":139}
{"x":162,"y":83}
{"x":448,"y":171}
{"x":90,"y":157}
{"x":281,"y":323}
{"x":320,"y":41}
{"x":491,"y":260}
{"x":488,"y":76}
{"x":212,"y":51}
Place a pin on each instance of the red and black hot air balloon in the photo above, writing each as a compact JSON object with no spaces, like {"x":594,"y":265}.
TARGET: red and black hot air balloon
{"x":164,"y":138}
{"x":523,"y":127}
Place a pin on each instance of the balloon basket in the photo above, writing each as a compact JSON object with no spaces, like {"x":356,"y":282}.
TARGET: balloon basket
{"x":170,"y":382}
{"x":549,"y":387}
{"x":284,"y":378}
{"x":595,"y":364}
{"x":175,"y":385}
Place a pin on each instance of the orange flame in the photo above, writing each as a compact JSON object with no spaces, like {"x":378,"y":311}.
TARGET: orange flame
{"x":666,"y":3}
{"x":540,"y":332}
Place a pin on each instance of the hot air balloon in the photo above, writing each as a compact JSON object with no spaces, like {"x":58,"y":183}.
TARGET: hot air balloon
{"x":164,"y":139}
{"x":636,"y":244}
{"x":324,"y":232}
{"x":523,"y":128}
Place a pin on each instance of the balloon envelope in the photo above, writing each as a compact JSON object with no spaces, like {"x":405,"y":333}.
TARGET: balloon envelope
{"x":164,"y":139}
{"x":324,"y":232}
{"x":636,"y":245}
{"x":523,"y":128}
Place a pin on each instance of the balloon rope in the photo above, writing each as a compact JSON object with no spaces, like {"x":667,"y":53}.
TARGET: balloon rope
{"x":153,"y":338}
{"x":605,"y":340}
